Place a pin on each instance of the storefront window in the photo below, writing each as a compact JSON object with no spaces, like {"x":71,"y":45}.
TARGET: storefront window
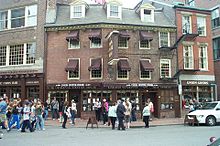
{"x":16,"y":92}
{"x":33,"y":92}
{"x":90,"y":97}
{"x":204,"y":94}
{"x":167,"y":100}
{"x":2,"y":92}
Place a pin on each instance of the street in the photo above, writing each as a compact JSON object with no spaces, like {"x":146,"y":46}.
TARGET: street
{"x":176,"y":135}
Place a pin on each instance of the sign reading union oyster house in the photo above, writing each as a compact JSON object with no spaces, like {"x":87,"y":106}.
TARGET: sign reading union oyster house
{"x":8,"y":83}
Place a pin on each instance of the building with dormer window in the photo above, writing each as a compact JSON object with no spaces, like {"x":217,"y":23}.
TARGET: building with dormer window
{"x":113,"y":53}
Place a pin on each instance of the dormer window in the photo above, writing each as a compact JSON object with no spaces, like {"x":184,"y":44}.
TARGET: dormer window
{"x":147,"y":13}
{"x":77,"y":11}
{"x":114,"y":11}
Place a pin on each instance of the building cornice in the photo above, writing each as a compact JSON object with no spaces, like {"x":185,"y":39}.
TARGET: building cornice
{"x":112,"y":26}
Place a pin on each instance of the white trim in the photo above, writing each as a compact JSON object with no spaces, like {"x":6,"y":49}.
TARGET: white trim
{"x":197,"y":77}
{"x":164,"y":60}
{"x":83,"y":7}
{"x":119,"y":11}
{"x":90,"y":72}
{"x":95,"y":47}
{"x":168,"y":37}
{"x":206,"y":51}
{"x":191,"y":52}
{"x":78,"y":70}
{"x":150,"y":75}
{"x":141,"y":48}
{"x":69,"y":48}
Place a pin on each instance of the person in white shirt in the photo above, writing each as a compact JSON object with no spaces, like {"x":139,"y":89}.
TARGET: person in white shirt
{"x":112,"y":114}
{"x":26,"y":117}
{"x":146,"y":115}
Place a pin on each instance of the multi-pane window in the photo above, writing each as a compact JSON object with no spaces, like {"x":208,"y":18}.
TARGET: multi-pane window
{"x":16,"y":54}
{"x":31,"y":15}
{"x":30,"y":53}
{"x":122,"y":42}
{"x":18,"y":17}
{"x":114,"y":11}
{"x":164,"y":39}
{"x":165,"y":68}
{"x":216,"y":47}
{"x":203,"y":61}
{"x":77,"y":11}
{"x":73,"y":44}
{"x":96,"y":73}
{"x":201,"y":26}
{"x":3,"y":20}
{"x":122,"y":74}
{"x":73,"y":74}
{"x":20,"y":54}
{"x":3,"y":55}
{"x":188,"y":57}
{"x":215,"y":18}
{"x":147,"y":15}
{"x":144,"y":44}
{"x":186,"y":24}
{"x":95,"y":42}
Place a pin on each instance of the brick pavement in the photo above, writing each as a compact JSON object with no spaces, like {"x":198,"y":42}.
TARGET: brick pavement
{"x":155,"y":122}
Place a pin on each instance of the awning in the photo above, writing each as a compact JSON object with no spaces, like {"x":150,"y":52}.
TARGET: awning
{"x":146,"y":65}
{"x":73,"y":35}
{"x":144,"y":35}
{"x":124,"y":34}
{"x":95,"y":64}
{"x":72,"y":65}
{"x":123,"y":65}
{"x":95,"y":33}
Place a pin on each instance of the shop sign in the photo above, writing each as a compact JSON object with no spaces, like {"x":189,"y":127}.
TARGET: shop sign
{"x":8,"y":83}
{"x":69,"y":86}
{"x":197,"y":82}
{"x":32,"y":82}
{"x":141,"y":85}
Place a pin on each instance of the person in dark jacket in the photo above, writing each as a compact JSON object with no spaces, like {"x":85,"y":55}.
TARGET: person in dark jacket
{"x":65,"y":114}
{"x":120,"y":115}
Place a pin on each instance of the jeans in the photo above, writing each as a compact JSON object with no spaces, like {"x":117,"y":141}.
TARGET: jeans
{"x":46,"y":114}
{"x":15,"y":119}
{"x":40,"y":122}
{"x":73,"y":116}
{"x":55,"y":114}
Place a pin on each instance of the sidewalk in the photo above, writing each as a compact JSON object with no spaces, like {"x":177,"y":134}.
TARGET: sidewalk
{"x":155,"y":122}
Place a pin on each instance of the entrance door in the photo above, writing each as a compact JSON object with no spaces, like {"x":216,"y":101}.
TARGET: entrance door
{"x":61,"y":96}
{"x":75,"y":95}
{"x":154,"y":100}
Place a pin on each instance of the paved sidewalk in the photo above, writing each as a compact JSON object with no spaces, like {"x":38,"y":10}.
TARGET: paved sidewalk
{"x":155,"y":122}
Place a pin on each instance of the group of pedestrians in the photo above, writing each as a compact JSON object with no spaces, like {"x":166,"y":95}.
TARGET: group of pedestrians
{"x":19,"y":114}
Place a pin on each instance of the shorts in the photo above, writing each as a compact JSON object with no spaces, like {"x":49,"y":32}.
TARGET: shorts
{"x":3,"y":117}
{"x":127,"y":118}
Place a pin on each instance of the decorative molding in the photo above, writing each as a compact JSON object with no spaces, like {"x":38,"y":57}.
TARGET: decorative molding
{"x":113,"y":26}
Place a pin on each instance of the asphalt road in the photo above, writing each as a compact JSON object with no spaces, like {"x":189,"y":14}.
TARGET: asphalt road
{"x":176,"y":135}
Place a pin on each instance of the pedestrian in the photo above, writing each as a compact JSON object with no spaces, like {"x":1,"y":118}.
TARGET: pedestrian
{"x":39,"y":116}
{"x":54,"y":108}
{"x":65,"y":114}
{"x":120,"y":115}
{"x":15,"y":116}
{"x":3,"y":109}
{"x":151,"y":106}
{"x":133,"y":111}
{"x":105,"y":111}
{"x":112,"y":114}
{"x":73,"y":111}
{"x":128,"y":107}
{"x":26,"y":117}
{"x":146,"y":115}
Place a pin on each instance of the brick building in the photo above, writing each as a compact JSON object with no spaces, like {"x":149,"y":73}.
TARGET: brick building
{"x":194,"y":47}
{"x":106,"y":51}
{"x":22,"y":48}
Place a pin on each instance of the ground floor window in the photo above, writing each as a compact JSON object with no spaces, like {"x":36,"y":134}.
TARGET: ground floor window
{"x":167,"y":100}
{"x":16,"y":92}
{"x":33,"y":92}
{"x":2,"y":92}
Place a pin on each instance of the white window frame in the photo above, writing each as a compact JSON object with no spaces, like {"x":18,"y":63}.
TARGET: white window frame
{"x":188,"y":24}
{"x":92,"y":44}
{"x":149,"y":45}
{"x":24,"y":55}
{"x":146,"y":17}
{"x":30,"y":19}
{"x":4,"y":20}
{"x":168,"y":38}
{"x":71,"y":47}
{"x":109,"y":11}
{"x":123,"y":78}
{"x":90,"y":72}
{"x":3,"y":57}
{"x":204,"y":57}
{"x":126,"y":43}
{"x":201,"y":20}
{"x":141,"y":71}
{"x":190,"y":57}
{"x":165,"y":61}
{"x":74,"y":7}
{"x":68,"y":74}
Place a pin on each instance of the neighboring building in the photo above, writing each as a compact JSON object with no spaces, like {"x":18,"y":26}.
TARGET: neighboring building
{"x":22,"y":48}
{"x":195,"y":55}
{"x":106,"y":51}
